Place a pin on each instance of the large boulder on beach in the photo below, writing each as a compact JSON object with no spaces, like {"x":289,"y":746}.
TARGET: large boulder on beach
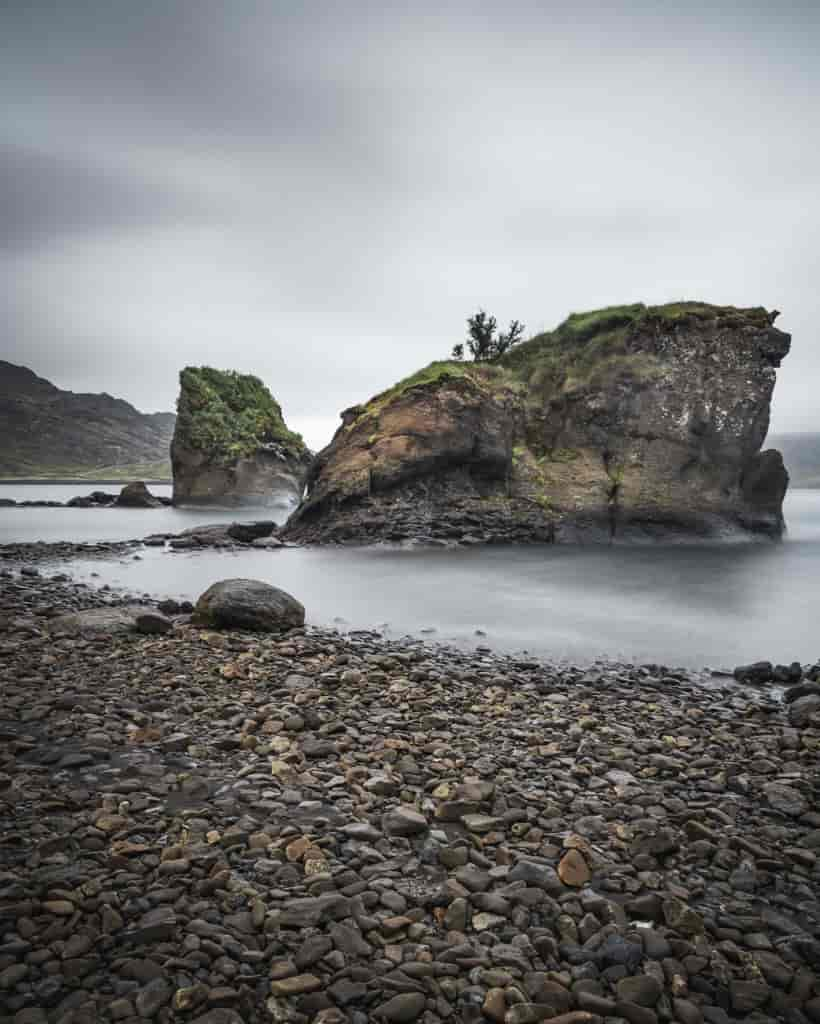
{"x":248,"y":604}
{"x":137,"y":495}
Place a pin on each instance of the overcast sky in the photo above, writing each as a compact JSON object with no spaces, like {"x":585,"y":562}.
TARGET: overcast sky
{"x":321,"y":193}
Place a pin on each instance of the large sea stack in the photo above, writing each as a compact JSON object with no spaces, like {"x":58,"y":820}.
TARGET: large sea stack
{"x":625,"y":423}
{"x":231,"y":444}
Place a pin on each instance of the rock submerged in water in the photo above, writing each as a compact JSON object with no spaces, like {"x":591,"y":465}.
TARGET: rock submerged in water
{"x":260,"y":535}
{"x":760,"y":672}
{"x":756,"y":673}
{"x":97,"y":499}
{"x":137,"y":495}
{"x":630,"y":422}
{"x":247,"y":533}
{"x":248,"y":604}
{"x":133,"y":495}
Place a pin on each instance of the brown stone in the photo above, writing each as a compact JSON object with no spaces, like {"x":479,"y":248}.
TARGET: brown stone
{"x":573,"y":869}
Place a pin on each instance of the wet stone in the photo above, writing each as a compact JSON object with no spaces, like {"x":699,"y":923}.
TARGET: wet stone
{"x":402,"y":1009}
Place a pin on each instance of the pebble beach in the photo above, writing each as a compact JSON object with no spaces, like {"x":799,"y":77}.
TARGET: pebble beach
{"x":224,"y":827}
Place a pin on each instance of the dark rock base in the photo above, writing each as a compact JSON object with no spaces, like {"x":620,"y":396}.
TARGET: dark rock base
{"x":422,"y":513}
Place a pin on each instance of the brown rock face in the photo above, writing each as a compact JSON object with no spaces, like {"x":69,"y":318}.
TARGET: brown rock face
{"x":631,"y":422}
{"x":457,"y":424}
{"x":263,"y":478}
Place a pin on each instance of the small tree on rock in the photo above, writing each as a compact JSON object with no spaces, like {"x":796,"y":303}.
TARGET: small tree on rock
{"x":484,"y":343}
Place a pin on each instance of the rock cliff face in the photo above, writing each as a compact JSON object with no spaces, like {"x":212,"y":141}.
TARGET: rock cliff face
{"x":231,"y":445}
{"x":47,"y":432}
{"x":628,"y":422}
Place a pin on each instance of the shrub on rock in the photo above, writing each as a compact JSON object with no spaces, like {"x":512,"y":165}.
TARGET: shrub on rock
{"x":248,"y":604}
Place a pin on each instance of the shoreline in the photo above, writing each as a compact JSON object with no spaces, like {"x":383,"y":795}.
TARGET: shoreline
{"x":233,"y":827}
{"x":108,"y":481}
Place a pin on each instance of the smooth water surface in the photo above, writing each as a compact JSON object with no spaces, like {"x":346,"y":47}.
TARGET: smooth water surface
{"x":694,"y":605}
{"x":47,"y":490}
{"x":94,"y":524}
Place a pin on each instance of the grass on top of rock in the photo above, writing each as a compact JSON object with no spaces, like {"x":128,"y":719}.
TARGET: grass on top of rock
{"x":564,"y":361}
{"x":230,"y":414}
{"x":483,"y":376}
{"x":590,"y":350}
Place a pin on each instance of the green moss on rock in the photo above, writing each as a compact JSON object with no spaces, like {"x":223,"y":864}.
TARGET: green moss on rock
{"x":588,"y":350}
{"x":230,"y":415}
{"x":592,"y":350}
{"x":482,"y":376}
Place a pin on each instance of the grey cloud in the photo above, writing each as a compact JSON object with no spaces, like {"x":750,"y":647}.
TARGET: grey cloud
{"x":44,"y":197}
{"x":618,"y":224}
{"x":321,"y":193}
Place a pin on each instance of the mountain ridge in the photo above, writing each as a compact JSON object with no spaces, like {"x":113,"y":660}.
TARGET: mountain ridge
{"x":51,"y":433}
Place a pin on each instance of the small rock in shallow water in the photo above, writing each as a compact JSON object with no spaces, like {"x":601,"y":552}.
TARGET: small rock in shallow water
{"x":758,"y":672}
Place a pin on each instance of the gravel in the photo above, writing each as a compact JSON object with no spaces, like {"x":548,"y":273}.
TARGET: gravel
{"x":226,"y":827}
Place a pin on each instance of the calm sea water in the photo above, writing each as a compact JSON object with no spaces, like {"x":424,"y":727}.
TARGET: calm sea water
{"x":93,"y":524}
{"x":693,"y":605}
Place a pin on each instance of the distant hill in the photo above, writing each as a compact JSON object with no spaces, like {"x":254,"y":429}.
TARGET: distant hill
{"x":49,"y":433}
{"x":801,"y":453}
